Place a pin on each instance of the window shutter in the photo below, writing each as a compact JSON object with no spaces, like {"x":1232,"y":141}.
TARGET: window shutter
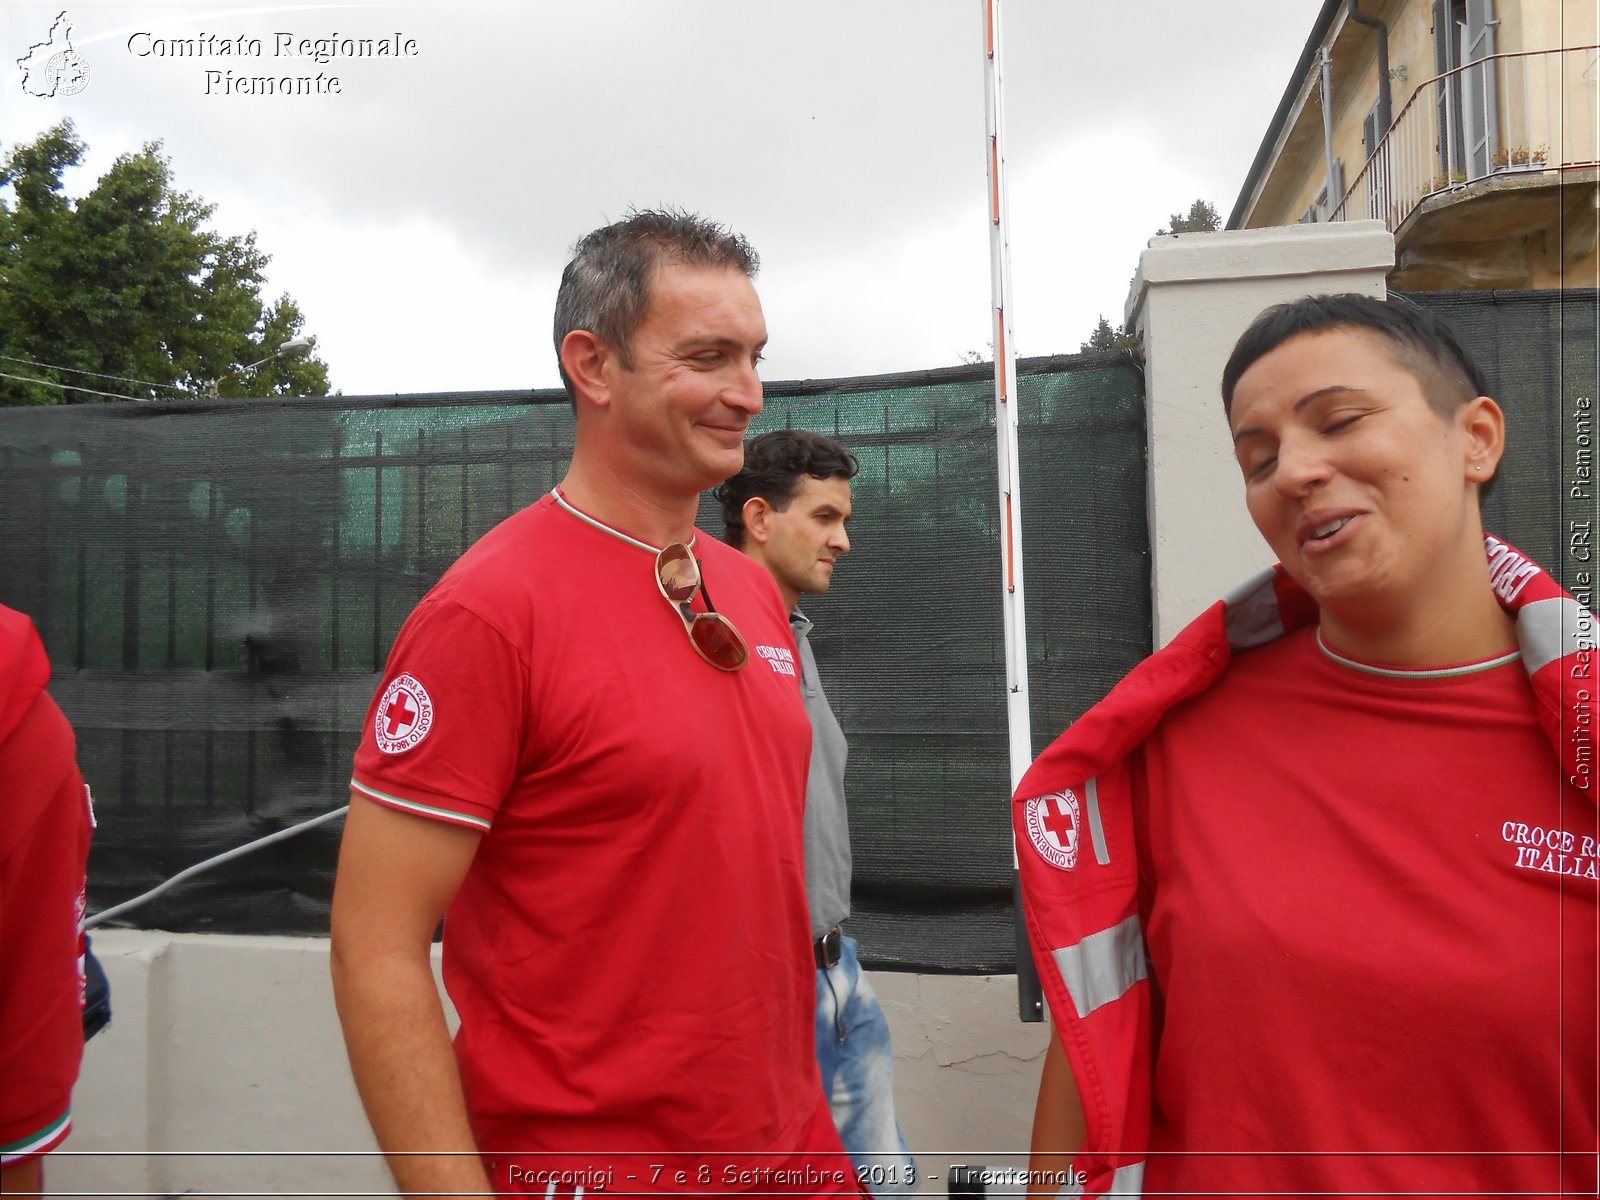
{"x":1480,"y":101}
{"x":1480,"y":29}
{"x":1377,"y":169}
{"x":1444,"y":40}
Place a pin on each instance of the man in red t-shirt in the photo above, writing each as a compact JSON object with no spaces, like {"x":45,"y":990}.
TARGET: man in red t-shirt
{"x":597,"y":779}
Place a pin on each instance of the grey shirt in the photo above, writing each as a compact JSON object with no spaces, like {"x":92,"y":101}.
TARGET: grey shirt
{"x":827,"y":825}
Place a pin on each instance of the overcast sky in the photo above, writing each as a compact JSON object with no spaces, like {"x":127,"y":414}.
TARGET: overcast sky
{"x":420,"y":216}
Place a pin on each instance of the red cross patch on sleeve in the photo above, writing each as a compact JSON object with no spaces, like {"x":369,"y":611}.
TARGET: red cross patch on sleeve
{"x":404,"y":716}
{"x":1052,"y":824}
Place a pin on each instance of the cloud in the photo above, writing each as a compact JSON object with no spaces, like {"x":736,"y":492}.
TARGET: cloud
{"x":441,"y":191}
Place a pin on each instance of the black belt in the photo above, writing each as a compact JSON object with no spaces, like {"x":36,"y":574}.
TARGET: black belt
{"x":827,"y":948}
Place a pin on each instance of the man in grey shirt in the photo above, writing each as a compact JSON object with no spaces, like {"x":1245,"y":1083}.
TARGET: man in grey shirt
{"x":788,"y":509}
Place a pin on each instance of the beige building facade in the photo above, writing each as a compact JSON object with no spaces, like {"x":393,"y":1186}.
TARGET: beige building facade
{"x":1470,"y":128}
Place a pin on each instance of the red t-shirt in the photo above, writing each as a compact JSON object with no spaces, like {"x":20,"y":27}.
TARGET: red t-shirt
{"x":630,"y":950}
{"x":1370,"y":903}
{"x":45,"y":827}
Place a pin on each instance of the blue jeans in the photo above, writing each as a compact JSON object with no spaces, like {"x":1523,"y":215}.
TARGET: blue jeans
{"x":857,"y":1076}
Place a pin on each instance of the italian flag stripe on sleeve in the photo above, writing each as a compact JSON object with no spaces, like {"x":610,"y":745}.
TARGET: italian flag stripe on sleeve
{"x":42,"y":1142}
{"x":421,"y":809}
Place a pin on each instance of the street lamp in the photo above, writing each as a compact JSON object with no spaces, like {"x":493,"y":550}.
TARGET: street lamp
{"x":293,"y":348}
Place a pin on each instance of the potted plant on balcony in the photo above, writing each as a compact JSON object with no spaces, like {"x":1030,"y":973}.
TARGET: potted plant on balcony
{"x":1519,"y":158}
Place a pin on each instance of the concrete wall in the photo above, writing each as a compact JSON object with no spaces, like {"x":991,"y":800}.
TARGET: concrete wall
{"x":224,"y":1071}
{"x":223,"y":1060}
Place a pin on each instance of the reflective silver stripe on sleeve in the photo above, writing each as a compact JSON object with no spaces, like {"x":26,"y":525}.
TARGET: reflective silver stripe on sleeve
{"x":1128,"y":1181}
{"x":1103,"y":966}
{"x":1125,"y":1181}
{"x":1251,"y":617}
{"x":1552,"y":629}
{"x":1097,"y":832}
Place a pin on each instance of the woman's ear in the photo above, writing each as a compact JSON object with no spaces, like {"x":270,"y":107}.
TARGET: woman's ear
{"x":1484,"y":424}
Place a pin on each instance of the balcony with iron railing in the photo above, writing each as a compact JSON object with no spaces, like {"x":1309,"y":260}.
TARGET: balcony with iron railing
{"x":1529,"y":114}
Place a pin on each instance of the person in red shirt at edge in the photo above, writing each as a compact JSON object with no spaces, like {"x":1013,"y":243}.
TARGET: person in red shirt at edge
{"x":1312,"y":892}
{"x":596,"y":776}
{"x":47,"y":821}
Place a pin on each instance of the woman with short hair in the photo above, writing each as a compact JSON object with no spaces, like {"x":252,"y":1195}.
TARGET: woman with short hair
{"x":1313,"y":891}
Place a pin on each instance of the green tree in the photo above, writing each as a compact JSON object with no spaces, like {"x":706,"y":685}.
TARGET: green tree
{"x":127,"y":291}
{"x":1105,"y":337}
{"x":1202,"y":218}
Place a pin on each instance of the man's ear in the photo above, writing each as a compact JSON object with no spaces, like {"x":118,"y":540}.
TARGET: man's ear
{"x":758,"y":519}
{"x":585,"y":357}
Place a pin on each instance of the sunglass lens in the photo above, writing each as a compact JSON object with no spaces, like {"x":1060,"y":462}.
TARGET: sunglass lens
{"x":719,"y":642}
{"x":678,"y":572}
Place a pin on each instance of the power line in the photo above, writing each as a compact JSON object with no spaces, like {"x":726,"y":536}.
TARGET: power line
{"x":65,"y":387}
{"x":96,"y":374}
{"x":117,"y":910}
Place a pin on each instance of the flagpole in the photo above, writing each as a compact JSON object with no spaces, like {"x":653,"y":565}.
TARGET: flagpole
{"x":1019,"y":740}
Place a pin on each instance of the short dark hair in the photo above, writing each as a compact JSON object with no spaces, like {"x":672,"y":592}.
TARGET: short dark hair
{"x":773,"y":466}
{"x":606,"y":287}
{"x":1422,"y":343}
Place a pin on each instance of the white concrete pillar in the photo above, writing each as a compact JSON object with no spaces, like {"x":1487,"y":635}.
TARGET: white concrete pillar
{"x":1192,"y":297}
